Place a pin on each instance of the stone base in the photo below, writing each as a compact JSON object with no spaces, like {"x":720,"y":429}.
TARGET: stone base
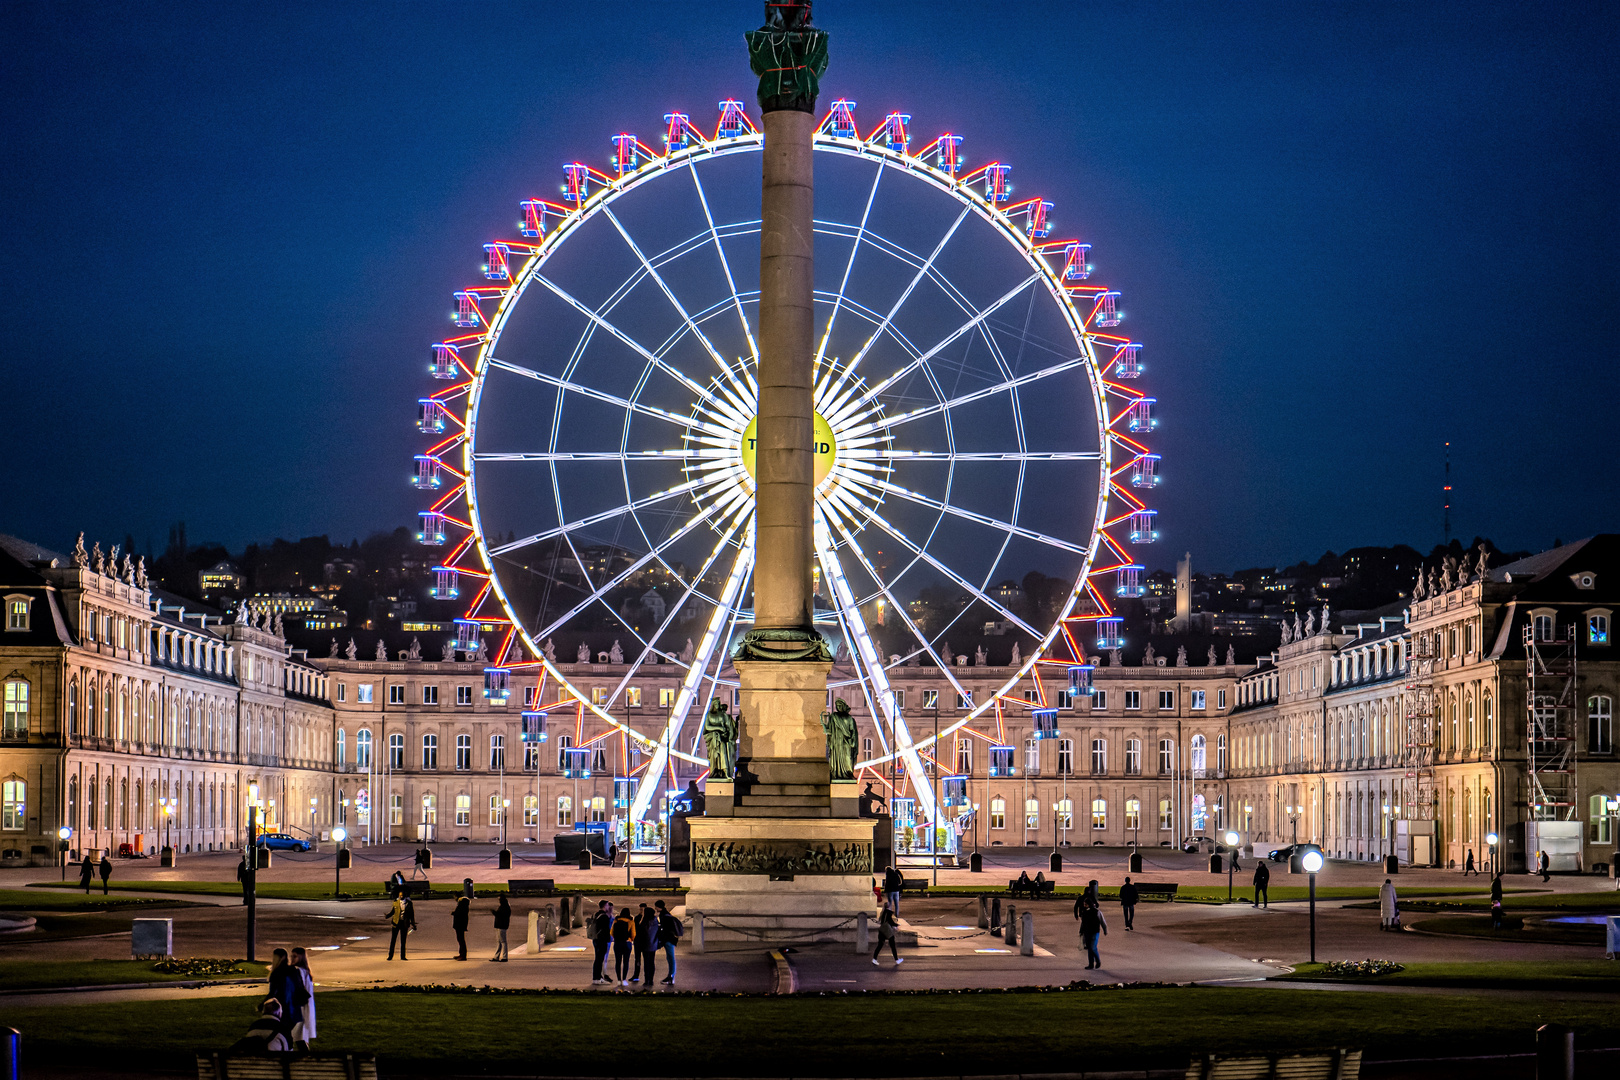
{"x":789,"y":902}
{"x":791,"y":929}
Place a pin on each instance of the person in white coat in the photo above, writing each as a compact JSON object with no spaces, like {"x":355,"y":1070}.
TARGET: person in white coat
{"x":1389,"y":916}
{"x":304,"y":1031}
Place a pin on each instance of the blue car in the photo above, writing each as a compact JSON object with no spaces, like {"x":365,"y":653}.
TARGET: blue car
{"x":280,"y":841}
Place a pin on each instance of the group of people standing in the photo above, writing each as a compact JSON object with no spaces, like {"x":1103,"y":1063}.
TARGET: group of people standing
{"x":636,"y":938}
{"x":401,"y":918}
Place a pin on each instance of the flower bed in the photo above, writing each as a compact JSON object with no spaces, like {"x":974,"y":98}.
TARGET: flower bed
{"x":200,"y":968}
{"x":1361,"y":968}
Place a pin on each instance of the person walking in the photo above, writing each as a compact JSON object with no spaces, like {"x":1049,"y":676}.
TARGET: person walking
{"x":893,"y":882}
{"x":1387,"y":917}
{"x":1468,"y":864}
{"x":1092,"y":924}
{"x":1546,"y":868}
{"x":503,"y":921}
{"x":304,"y":1030}
{"x":1262,"y":884}
{"x":887,"y":925}
{"x":402,"y":917}
{"x":1128,"y":897}
{"x":419,"y":864}
{"x":600,"y":932}
{"x":87,"y":874}
{"x":647,"y":937}
{"x":458,"y":923}
{"x":106,"y":872}
{"x":1496,"y":888}
{"x":624,"y":945}
{"x":669,"y":932}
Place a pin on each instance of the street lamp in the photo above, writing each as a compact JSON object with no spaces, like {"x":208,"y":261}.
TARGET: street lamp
{"x":1293,"y":819}
{"x":312,"y":830}
{"x":166,"y":856}
{"x":63,"y":835}
{"x":339,"y":834}
{"x":1491,"y":839}
{"x":1612,"y":805}
{"x":1312,"y":862}
{"x":1231,"y":839}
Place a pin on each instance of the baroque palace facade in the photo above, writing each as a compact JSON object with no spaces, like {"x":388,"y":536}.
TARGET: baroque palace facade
{"x":117,"y":698}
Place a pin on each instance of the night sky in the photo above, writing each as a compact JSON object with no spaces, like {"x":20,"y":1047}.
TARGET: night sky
{"x":1345,"y":233}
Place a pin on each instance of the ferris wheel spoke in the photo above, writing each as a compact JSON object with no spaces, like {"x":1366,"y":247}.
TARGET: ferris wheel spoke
{"x":605,"y":455}
{"x":973,"y":323}
{"x":977,"y":518}
{"x":725,"y":369}
{"x":637,"y":347}
{"x":843,"y":284}
{"x":966,"y":399}
{"x":729,"y":595}
{"x":602,"y":395}
{"x":873,"y":663}
{"x":725,"y":264}
{"x":606,"y":515}
{"x":878,"y":453}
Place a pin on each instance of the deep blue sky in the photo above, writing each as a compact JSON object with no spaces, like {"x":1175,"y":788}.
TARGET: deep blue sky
{"x":1346,"y":234}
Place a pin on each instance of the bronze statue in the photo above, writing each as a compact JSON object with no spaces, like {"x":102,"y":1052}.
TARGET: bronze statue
{"x":841,"y":738}
{"x":789,"y":55}
{"x":720,"y":740}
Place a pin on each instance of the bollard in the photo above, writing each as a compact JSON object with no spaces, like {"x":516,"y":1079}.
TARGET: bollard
{"x":551,"y":927}
{"x":505,"y":862}
{"x":984,"y":912}
{"x":1057,"y":863}
{"x":975,"y":863}
{"x":1009,"y":930}
{"x":536,"y":935}
{"x":863,"y":932}
{"x":995,"y":913}
{"x":577,"y":919}
{"x":585,"y":859}
{"x":697,"y":931}
{"x":1136,"y":862}
{"x":1026,"y":944}
{"x":1555,"y":1052}
{"x":1215,"y":866}
{"x":1392,"y":865}
{"x":10,"y":1053}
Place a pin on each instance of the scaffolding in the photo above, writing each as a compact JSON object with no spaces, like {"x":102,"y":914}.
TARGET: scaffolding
{"x":1552,"y":726}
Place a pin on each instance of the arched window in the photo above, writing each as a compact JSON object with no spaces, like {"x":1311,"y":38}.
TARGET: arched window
{"x":13,"y":805}
{"x":73,"y":707}
{"x":106,"y":710}
{"x":90,"y":710}
{"x":497,"y":753}
{"x":14,"y":710}
{"x":564,"y":743}
{"x":1198,"y":755}
{"x":1486,"y":714}
{"x":1099,"y":813}
{"x":1032,"y":813}
{"x":73,"y":803}
{"x":598,"y":809}
{"x":531,"y":811}
{"x":362,"y":747}
{"x":123,"y":803}
{"x":495,"y":809}
{"x":339,"y":754}
{"x":998,"y":813}
{"x":565,"y":811}
{"x":396,"y":751}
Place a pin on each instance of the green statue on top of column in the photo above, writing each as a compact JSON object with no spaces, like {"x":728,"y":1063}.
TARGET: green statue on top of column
{"x":789,"y":56}
{"x":841,"y":736}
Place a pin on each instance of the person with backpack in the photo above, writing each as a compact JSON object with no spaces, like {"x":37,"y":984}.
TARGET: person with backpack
{"x":599,"y":929}
{"x":669,"y":932}
{"x":1262,"y":885}
{"x":1128,"y":897}
{"x":887,"y":925}
{"x":893,"y":882}
{"x":503,"y":921}
{"x":624,"y":945}
{"x":1092,"y":924}
{"x":646,"y":943}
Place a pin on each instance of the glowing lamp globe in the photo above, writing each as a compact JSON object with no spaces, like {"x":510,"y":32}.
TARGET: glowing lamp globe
{"x":1231,"y":838}
{"x":1311,"y":861}
{"x":340,"y":834}
{"x":1491,"y":838}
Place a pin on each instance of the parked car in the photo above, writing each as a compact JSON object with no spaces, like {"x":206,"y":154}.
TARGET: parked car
{"x":1286,"y":853}
{"x":280,"y":841}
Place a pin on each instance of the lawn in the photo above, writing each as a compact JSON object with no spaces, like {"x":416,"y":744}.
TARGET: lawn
{"x":1242,"y":891}
{"x":320,"y":890}
{"x":893,"y":1035}
{"x":40,"y":974}
{"x":1599,"y":976}
{"x":38,"y":900}
{"x":1591,"y":903}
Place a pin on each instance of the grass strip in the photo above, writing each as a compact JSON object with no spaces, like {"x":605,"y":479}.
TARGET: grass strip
{"x":52,"y":974}
{"x":315,"y":890}
{"x":39,"y":900}
{"x":570,"y":1033}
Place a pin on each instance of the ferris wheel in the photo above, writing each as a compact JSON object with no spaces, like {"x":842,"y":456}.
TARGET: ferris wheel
{"x":976,"y":417}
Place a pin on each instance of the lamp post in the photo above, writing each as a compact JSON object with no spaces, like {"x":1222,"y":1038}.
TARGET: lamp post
{"x":1612,"y":805}
{"x":1293,"y":820}
{"x":252,"y":861}
{"x":1231,"y":839}
{"x":1490,"y":840}
{"x":339,"y":835}
{"x":63,"y":836}
{"x":313,"y":832}
{"x":166,"y":856}
{"x":1312,"y":862}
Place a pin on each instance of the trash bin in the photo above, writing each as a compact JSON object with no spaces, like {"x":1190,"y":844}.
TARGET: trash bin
{"x":1057,"y":862}
{"x":506,"y":859}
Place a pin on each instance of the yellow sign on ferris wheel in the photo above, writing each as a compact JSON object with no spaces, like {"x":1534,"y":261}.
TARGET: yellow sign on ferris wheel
{"x":822,"y":443}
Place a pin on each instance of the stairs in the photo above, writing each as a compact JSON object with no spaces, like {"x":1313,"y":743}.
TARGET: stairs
{"x":782,"y":800}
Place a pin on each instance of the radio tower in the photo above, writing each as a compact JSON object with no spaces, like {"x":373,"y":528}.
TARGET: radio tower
{"x":1448,"y":496}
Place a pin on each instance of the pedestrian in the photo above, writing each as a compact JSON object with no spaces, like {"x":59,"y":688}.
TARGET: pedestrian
{"x":402,"y":917}
{"x":893,"y":882}
{"x":287,"y":987}
{"x":1128,"y":897}
{"x":1546,"y":868}
{"x":669,"y":932}
{"x":1092,"y":923}
{"x":1388,"y":919}
{"x":1496,"y":887}
{"x":304,"y":1030}
{"x":419,"y":864}
{"x":1496,"y":913}
{"x":458,"y":923}
{"x":394,"y":883}
{"x":87,"y":874}
{"x":1468,"y":864}
{"x":624,"y":945}
{"x":242,"y":877}
{"x":264,"y":1034}
{"x":503,"y":921}
{"x":1262,"y":884}
{"x":646,"y":943}
{"x":886,"y":933}
{"x":106,"y":872}
{"x":600,"y":932}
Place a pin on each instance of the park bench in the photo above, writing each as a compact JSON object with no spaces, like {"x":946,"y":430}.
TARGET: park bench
{"x":413,"y":888}
{"x":1035,"y":890}
{"x":1164,"y":893}
{"x":286,"y":1066}
{"x":918,"y":885}
{"x":530,"y":886}
{"x":1329,"y":1065}
{"x":666,"y":883}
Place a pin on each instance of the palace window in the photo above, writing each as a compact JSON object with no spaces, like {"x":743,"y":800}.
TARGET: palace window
{"x":1164,"y":815}
{"x":1032,"y":813}
{"x":1065,"y":762}
{"x":396,"y":694}
{"x":531,"y":811}
{"x":565,"y":811}
{"x":430,"y":695}
{"x":1133,"y":757}
{"x":632,"y":697}
{"x":1133,"y":699}
{"x":13,"y":805}
{"x":396,"y":809}
{"x":1133,"y":814}
{"x":1167,"y":752}
{"x":14,"y":719}
{"x":930,"y":699}
{"x":362,"y":693}
{"x":1099,"y":700}
{"x":1167,"y":700}
{"x":16,"y":613}
{"x":1599,"y":724}
{"x":430,"y":753}
{"x":1197,"y":700}
{"x":463,"y":809}
{"x":1065,"y":814}
{"x":964,"y":756}
{"x":495,"y":809}
{"x":1099,"y":757}
{"x":998,"y":813}
{"x":1099,"y":813}
{"x":464,"y":694}
{"x":497,"y":753}
{"x":463,"y":753}
{"x":1597,"y":629}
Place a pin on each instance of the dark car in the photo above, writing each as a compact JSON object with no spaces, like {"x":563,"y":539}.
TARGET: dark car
{"x":1286,"y":853}
{"x":280,"y":841}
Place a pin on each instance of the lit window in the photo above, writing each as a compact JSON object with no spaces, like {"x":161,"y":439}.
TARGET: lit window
{"x":632,"y":697}
{"x":1197,"y":699}
{"x":599,"y":808}
{"x":463,"y":809}
{"x":1133,"y":814}
{"x":396,"y":809}
{"x":531,"y":811}
{"x":998,"y":813}
{"x":1065,"y":814}
{"x":17,"y":613}
{"x":1164,"y":815}
{"x":599,"y":695}
{"x":1597,"y":629}
{"x":565,"y":811}
{"x":363,"y":693}
{"x":14,"y":720}
{"x":666,"y":697}
{"x":1099,"y":813}
{"x":1032,"y":814}
{"x":930,"y":699}
{"x":13,"y":805}
{"x":495,"y":810}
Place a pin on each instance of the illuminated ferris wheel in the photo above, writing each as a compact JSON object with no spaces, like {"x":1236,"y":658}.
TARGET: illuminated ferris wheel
{"x":976,"y":417}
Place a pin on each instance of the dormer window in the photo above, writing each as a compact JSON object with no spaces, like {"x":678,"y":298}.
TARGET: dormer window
{"x":17,"y":620}
{"x":1584,"y":580}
